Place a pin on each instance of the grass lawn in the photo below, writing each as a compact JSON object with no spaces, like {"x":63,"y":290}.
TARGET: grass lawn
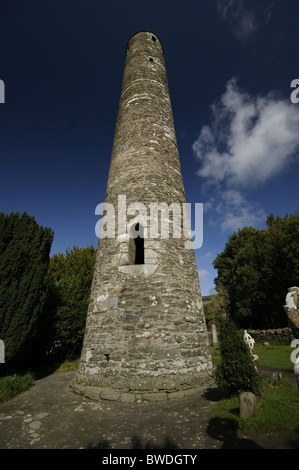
{"x":277,"y":410}
{"x":278,"y":407}
{"x":68,"y":365}
{"x":275,"y":355}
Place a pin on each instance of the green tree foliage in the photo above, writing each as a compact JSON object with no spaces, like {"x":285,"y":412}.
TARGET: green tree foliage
{"x":217,"y":305}
{"x":256,"y":268}
{"x":236,"y":373}
{"x":24,"y":260}
{"x":68,"y":283}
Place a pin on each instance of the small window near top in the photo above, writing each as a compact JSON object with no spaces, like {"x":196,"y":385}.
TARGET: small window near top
{"x":150,"y":59}
{"x":153,"y":38}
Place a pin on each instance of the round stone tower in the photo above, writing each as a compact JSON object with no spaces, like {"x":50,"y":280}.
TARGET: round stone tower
{"x":145,"y":335}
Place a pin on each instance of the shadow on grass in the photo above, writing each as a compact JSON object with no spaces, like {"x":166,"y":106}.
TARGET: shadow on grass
{"x":214,"y":394}
{"x":226,"y":430}
{"x":294,"y":443}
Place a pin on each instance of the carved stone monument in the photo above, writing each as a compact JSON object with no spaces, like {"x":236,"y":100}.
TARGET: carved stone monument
{"x":249,"y":341}
{"x":291,"y":308}
{"x":214,"y":334}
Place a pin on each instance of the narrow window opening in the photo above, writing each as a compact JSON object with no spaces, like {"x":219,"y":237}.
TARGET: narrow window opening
{"x":107,"y":356}
{"x":153,"y":38}
{"x":136,"y":245}
{"x":151,"y":59}
{"x":139,"y":253}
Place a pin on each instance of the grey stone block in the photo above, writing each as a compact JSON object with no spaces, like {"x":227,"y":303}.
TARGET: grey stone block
{"x":247,"y":404}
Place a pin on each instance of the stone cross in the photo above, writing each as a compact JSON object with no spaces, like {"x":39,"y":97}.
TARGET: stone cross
{"x":249,"y":341}
{"x":291,"y":308}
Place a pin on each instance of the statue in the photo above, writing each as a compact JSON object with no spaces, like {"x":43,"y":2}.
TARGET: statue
{"x":249,"y":341}
{"x":292,"y":309}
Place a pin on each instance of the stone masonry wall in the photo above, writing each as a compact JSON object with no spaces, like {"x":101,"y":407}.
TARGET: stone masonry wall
{"x":277,"y":335}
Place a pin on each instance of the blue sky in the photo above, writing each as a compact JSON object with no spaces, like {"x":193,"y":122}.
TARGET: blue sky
{"x":230,"y":65}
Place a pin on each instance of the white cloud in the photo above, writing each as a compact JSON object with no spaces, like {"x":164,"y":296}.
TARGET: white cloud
{"x":250,"y":140}
{"x":239,"y":15}
{"x":203,"y":274}
{"x":235,"y":211}
{"x":204,"y":280}
{"x":208,"y":205}
{"x":230,"y":210}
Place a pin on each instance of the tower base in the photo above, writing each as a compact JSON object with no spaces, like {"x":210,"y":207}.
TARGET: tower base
{"x":144,"y":394}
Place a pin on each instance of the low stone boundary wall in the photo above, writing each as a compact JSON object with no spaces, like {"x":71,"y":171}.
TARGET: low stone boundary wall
{"x":279,"y":334}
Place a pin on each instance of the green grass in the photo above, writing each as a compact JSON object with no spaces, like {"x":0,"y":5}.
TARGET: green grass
{"x":216,"y":356}
{"x":276,"y":355}
{"x":277,"y":410}
{"x":68,"y":365}
{"x":12,"y":385}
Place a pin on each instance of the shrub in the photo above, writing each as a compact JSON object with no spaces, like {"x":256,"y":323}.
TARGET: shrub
{"x":236,"y":372}
{"x":12,"y":385}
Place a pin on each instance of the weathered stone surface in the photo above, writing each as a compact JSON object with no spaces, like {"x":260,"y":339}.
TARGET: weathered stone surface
{"x":145,"y":329}
{"x":156,"y":396}
{"x":285,"y":334}
{"x":184,"y":393}
{"x":110,"y":395}
{"x":214,"y":334}
{"x":247,"y":404}
{"x":127,"y":397}
{"x":35,"y":425}
{"x":92,"y":392}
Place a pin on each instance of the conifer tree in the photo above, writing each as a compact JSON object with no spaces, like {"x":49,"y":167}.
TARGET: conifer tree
{"x":24,"y":259}
{"x":236,"y":373}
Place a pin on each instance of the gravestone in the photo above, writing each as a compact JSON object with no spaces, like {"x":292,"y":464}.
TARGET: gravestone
{"x":247,"y":404}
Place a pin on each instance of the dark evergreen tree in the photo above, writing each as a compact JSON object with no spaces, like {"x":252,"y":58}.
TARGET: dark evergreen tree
{"x":236,"y":373}
{"x":24,"y":259}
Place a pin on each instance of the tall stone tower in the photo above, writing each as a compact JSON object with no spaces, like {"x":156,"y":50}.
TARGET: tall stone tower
{"x":145,"y":335}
